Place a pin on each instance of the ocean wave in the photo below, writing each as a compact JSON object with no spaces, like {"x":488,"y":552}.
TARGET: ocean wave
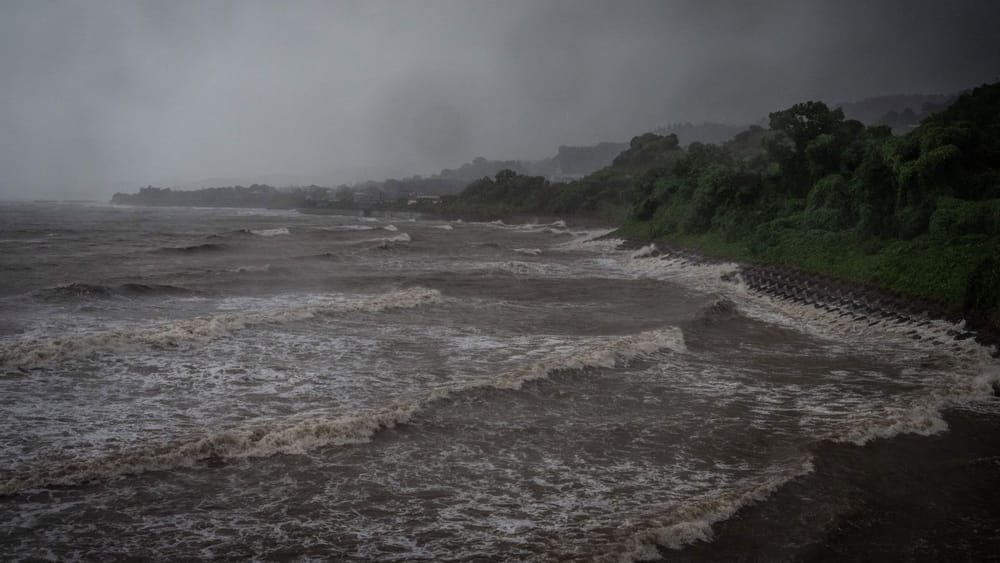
{"x":196,"y":248}
{"x":23,"y":240}
{"x":346,"y":228}
{"x":692,"y":521}
{"x":262,"y":441}
{"x":924,"y":415}
{"x":519,"y":268}
{"x":528,"y":251}
{"x":593,"y":241}
{"x":251,"y":268}
{"x":722,"y":309}
{"x":444,"y":227}
{"x":75,"y":291}
{"x":645,"y":251}
{"x":606,"y":354}
{"x":553,"y":227}
{"x":279,"y":231}
{"x":37,"y":352}
{"x":301,"y":434}
{"x":384,"y":242}
{"x":966,"y":378}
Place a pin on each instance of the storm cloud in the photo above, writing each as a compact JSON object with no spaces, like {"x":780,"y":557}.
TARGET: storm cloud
{"x":100,"y":96}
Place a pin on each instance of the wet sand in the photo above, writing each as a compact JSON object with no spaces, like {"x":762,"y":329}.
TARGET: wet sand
{"x":909,"y":498}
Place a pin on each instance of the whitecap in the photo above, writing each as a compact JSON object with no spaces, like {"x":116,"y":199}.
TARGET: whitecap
{"x":271,"y":232}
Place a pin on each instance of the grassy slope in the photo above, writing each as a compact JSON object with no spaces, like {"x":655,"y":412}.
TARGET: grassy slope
{"x":924,"y":268}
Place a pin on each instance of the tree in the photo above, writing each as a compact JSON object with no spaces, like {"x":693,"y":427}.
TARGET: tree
{"x":344,"y":194}
{"x":805,"y":121}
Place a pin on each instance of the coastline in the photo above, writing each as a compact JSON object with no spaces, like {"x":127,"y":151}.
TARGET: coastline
{"x":907,"y":498}
{"x":860,"y":302}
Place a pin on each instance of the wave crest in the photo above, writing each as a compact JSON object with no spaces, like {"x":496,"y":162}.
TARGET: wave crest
{"x":693,"y":521}
{"x":302,"y":435}
{"x":231,"y":444}
{"x":36,"y":352}
{"x":195,"y":249}
{"x":279,"y":231}
{"x":91,"y":291}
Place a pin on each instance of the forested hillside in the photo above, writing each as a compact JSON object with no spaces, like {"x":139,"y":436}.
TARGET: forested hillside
{"x":917,"y":214}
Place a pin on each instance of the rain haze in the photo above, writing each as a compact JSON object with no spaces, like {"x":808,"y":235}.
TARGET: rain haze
{"x":104,"y":95}
{"x":528,"y":281}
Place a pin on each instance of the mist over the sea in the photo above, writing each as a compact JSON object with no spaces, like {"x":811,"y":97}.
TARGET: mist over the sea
{"x":473,"y":281}
{"x":107,"y":96}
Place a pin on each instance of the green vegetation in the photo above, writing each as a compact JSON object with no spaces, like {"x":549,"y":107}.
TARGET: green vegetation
{"x":917,"y":214}
{"x":606,"y":194}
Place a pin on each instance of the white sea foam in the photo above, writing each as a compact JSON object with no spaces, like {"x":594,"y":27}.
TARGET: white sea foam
{"x":347,"y":228}
{"x":606,"y":354}
{"x":297,"y":437}
{"x":968,"y":377}
{"x":444,"y":227}
{"x":646,"y":251}
{"x":36,"y":352}
{"x":923,"y":415}
{"x":554,"y":227}
{"x":529,"y":251}
{"x":385,"y":241}
{"x":692,"y":521}
{"x":519,"y":268}
{"x":252,"y":268}
{"x":307,"y":431}
{"x":390,"y":228}
{"x":271,"y":232}
{"x":593,"y":241}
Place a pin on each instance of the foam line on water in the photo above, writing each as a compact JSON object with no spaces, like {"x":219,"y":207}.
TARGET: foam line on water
{"x":692,"y":521}
{"x":967,"y":378}
{"x":37,"y":352}
{"x":303,"y":433}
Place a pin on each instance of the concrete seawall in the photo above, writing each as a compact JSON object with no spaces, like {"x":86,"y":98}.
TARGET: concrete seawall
{"x":861,"y":303}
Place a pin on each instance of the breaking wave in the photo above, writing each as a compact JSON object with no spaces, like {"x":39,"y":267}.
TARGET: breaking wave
{"x":303,"y":434}
{"x":258,"y":442}
{"x":252,"y":268}
{"x":196,"y":248}
{"x":528,"y":251}
{"x":36,"y":352}
{"x":90,"y":291}
{"x":966,"y":377}
{"x":346,"y":228}
{"x":270,"y":232}
{"x":384,"y":242}
{"x":606,"y":354}
{"x":692,"y":521}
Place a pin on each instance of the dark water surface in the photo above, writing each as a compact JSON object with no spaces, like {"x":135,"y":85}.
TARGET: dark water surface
{"x":217,"y":383}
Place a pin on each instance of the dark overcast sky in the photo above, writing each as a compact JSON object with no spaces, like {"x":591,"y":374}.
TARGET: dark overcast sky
{"x":103,"y":95}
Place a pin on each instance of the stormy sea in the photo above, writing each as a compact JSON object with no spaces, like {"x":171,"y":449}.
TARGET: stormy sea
{"x":186,"y":383}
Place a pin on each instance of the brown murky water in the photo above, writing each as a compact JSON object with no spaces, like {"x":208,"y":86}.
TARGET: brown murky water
{"x":232,"y":384}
